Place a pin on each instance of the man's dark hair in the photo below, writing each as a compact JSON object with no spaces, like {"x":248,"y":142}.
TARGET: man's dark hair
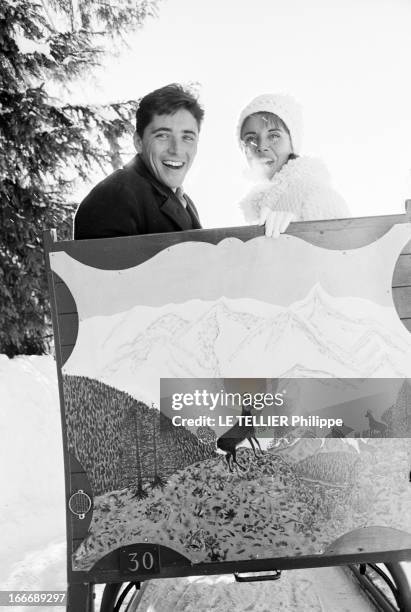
{"x":166,"y":101}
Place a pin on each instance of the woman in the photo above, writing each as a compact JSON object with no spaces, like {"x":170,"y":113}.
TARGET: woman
{"x":290,"y":188}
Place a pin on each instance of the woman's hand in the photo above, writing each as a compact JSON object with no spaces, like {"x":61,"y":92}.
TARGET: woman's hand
{"x":276,"y":221}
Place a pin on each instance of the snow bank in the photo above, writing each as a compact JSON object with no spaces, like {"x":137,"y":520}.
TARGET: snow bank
{"x":31,"y":456}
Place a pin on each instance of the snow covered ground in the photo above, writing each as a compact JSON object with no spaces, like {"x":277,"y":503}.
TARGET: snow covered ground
{"x":32,"y":517}
{"x":32,"y":475}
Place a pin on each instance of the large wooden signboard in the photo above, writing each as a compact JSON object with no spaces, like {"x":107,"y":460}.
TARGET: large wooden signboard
{"x":328,"y":300}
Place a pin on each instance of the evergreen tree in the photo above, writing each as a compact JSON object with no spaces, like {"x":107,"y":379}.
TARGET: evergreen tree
{"x":158,"y":481}
{"x":137,"y":487}
{"x":46,"y":144}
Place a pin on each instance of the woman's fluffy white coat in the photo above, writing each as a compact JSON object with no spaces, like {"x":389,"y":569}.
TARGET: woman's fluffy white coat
{"x":302,"y":187}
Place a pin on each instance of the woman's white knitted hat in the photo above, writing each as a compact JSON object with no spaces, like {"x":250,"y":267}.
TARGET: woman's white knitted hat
{"x":282,"y":105}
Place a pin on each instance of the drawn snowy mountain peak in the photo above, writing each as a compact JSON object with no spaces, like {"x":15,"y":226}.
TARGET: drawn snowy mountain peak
{"x":136,"y":348}
{"x":318,"y":307}
{"x":317,"y":302}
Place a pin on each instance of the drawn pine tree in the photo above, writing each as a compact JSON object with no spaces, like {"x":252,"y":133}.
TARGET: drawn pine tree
{"x":158,"y":481}
{"x":137,"y":489}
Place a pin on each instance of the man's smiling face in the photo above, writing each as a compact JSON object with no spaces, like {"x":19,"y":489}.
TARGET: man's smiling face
{"x":168,"y":146}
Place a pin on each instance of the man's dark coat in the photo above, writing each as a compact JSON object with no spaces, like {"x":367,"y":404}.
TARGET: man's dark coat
{"x":132,"y":201}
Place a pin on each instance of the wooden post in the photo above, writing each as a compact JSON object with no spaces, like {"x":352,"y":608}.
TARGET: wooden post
{"x":80,"y":598}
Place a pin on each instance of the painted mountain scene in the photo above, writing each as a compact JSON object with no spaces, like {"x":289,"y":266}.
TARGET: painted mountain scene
{"x":156,"y":483}
{"x":290,"y":496}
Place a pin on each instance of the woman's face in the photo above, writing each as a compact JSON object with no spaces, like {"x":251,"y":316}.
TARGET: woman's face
{"x":267,"y":144}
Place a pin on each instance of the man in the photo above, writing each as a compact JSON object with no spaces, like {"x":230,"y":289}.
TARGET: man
{"x":146,"y":197}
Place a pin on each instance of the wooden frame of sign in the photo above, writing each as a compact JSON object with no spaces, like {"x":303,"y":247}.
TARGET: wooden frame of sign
{"x":120,"y":253}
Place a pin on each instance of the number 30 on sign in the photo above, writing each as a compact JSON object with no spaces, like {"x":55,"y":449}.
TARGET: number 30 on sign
{"x":139,"y":559}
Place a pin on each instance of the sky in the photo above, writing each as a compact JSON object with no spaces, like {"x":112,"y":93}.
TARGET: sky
{"x":346,"y":62}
